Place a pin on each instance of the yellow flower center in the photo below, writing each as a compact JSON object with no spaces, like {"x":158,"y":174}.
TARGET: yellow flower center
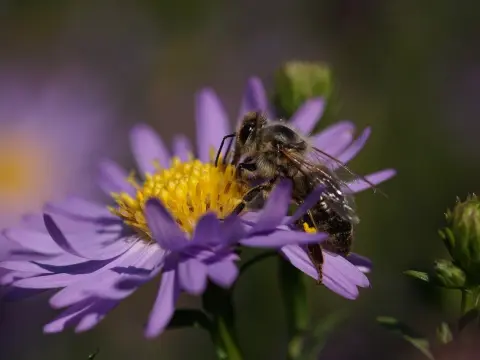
{"x":187,"y":189}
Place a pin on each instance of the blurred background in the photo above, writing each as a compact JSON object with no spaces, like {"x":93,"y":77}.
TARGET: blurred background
{"x":75,"y":75}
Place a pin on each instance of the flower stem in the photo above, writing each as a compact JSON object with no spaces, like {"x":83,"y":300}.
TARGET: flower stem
{"x":297,"y":314}
{"x":218,"y":303}
{"x":225,"y":343}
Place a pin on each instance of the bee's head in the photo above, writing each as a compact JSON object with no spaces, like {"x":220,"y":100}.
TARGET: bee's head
{"x":251,"y":124}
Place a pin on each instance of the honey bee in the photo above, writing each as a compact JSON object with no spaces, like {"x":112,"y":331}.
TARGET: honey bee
{"x":268,"y":150}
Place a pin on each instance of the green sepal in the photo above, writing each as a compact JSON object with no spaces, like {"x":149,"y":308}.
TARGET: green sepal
{"x":444,"y":334}
{"x":407,"y":333}
{"x":420,"y":275}
{"x":297,"y":81}
{"x":448,"y":275}
{"x":462,"y":236}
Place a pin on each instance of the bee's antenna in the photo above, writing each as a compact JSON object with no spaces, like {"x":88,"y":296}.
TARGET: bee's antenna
{"x":227,"y":152}
{"x":221,"y":147}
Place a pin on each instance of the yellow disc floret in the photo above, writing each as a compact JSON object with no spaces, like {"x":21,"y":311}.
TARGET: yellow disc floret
{"x":187,"y":189}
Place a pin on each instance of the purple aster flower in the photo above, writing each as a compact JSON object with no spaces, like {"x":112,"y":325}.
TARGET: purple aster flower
{"x":50,"y":128}
{"x":167,"y":223}
{"x":341,"y":275}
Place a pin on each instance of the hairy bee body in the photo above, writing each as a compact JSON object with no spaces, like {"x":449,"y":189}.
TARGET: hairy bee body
{"x":270,"y":150}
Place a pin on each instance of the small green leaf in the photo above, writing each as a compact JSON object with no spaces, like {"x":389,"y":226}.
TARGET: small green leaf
{"x":408,"y":334}
{"x":420,"y":275}
{"x":444,"y":334}
{"x":190,"y":318}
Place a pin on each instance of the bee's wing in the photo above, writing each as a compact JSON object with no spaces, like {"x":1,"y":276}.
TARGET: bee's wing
{"x":334,"y":195}
{"x":341,"y":170}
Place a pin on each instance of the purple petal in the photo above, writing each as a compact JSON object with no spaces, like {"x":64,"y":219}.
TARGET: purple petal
{"x":147,"y":147}
{"x":10,"y":293}
{"x":308,"y":115}
{"x":135,"y":276}
{"x":275,"y":208}
{"x":33,"y":222}
{"x":32,"y":240}
{"x":22,"y":266}
{"x":254,"y":97}
{"x":207,"y":230}
{"x":299,"y":258}
{"x":80,"y":208}
{"x":72,"y":314}
{"x":46,"y":281}
{"x":223,"y":273}
{"x":283,"y":238}
{"x":182,"y":148}
{"x":362,"y":263}
{"x":84,"y":315}
{"x":354,"y":147}
{"x":375,"y":178}
{"x":334,"y":138}
{"x":338,"y":277}
{"x":11,"y":250}
{"x":14,"y":276}
{"x":113,"y":179}
{"x":192,"y":275}
{"x":342,"y":277}
{"x":93,"y":246}
{"x":165,"y":230}
{"x":64,"y":259}
{"x":73,"y":225}
{"x":342,"y":288}
{"x":95,"y":314}
{"x":335,"y":265}
{"x":164,"y":305}
{"x":232,"y":230}
{"x":97,"y":283}
{"x":212,"y":123}
{"x":307,"y":204}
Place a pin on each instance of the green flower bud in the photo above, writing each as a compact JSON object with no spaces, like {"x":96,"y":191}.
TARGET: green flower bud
{"x":462,"y":236}
{"x":297,"y":81}
{"x":447,"y":275}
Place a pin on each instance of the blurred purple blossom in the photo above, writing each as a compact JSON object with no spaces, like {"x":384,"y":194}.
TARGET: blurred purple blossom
{"x":51,"y":130}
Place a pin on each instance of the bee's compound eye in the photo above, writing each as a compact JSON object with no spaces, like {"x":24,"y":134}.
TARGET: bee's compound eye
{"x":245,"y":131}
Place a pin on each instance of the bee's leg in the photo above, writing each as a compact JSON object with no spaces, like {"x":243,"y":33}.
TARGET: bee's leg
{"x":244,"y":166}
{"x":251,"y":195}
{"x":316,"y":256}
{"x":315,"y":251}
